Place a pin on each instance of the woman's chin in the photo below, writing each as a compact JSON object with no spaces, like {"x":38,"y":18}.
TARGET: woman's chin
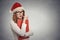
{"x":20,"y":17}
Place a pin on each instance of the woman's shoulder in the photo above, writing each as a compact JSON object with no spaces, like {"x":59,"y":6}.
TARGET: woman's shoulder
{"x":11,"y":22}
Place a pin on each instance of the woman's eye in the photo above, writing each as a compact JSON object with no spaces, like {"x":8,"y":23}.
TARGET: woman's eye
{"x":21,"y":12}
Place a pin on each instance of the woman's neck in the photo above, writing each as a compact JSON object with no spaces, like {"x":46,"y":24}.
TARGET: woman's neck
{"x":20,"y":18}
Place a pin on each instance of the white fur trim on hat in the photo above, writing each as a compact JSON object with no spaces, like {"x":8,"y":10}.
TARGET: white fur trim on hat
{"x":16,"y":9}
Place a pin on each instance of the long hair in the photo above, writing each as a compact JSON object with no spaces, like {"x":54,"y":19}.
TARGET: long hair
{"x":15,"y":16}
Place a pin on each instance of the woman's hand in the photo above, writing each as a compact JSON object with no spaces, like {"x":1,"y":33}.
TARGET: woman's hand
{"x":28,"y":34}
{"x":25,"y":18}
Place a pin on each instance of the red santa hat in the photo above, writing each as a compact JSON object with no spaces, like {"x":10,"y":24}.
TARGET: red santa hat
{"x":16,"y":7}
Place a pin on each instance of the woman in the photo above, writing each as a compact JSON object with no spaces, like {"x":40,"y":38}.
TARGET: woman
{"x":20,"y":23}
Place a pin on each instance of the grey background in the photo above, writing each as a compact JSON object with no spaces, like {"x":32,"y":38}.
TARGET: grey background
{"x":43,"y":15}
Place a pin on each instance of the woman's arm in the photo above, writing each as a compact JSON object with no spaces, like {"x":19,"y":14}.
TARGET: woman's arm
{"x":28,"y":31}
{"x":16,"y":29}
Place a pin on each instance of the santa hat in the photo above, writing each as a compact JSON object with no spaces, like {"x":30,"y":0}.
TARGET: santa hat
{"x":16,"y":7}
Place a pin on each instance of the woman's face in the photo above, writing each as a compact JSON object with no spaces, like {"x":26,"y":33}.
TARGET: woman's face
{"x":19,"y":14}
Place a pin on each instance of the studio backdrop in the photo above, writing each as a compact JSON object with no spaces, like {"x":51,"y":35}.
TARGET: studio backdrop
{"x":43,"y":16}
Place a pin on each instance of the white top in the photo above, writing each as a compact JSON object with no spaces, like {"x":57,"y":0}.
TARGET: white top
{"x":16,"y":30}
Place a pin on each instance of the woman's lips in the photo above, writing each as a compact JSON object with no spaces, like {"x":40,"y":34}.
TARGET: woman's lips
{"x":21,"y":16}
